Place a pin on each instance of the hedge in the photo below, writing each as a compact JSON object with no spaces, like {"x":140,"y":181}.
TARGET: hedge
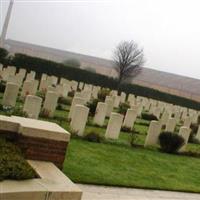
{"x":49,"y":67}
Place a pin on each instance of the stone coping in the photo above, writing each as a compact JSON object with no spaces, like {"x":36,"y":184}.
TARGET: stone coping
{"x":33,"y":128}
{"x":52,"y":185}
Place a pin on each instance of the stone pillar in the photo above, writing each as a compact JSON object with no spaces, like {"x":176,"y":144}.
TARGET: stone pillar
{"x":153,"y":133}
{"x":32,"y":106}
{"x":10,"y":94}
{"x":100,"y":113}
{"x":171,"y":124}
{"x":79,"y":119}
{"x":185,"y":133}
{"x":110,"y":103}
{"x":114,"y":126}
{"x":130,"y":118}
{"x":50,"y":103}
{"x":75,"y":101}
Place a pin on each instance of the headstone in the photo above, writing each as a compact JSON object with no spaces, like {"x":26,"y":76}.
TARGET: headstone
{"x":185,"y":133}
{"x":130,"y":118}
{"x":117,"y":101}
{"x":22,"y":72}
{"x":198,"y":134}
{"x":187,"y":122}
{"x":32,"y":106}
{"x":50,"y":103}
{"x":79,"y":119}
{"x":123,"y":97}
{"x":171,"y":124}
{"x":157,"y":112}
{"x":100,"y":113}
{"x":164,"y":118}
{"x":75,"y":101}
{"x":10,"y":94}
{"x":110,"y":104}
{"x":86,"y":94}
{"x":114,"y":126}
{"x":153,"y":133}
{"x":30,"y":76}
{"x":27,"y":88}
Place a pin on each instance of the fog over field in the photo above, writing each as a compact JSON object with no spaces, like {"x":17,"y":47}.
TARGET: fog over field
{"x":168,"y":30}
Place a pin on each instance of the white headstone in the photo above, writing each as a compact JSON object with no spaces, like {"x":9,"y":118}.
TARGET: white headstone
{"x":10,"y":94}
{"x":185,"y":133}
{"x":32,"y":106}
{"x":130,"y":118}
{"x":75,"y":101}
{"x":114,"y":126}
{"x":100,"y":113}
{"x":50,"y":103}
{"x":79,"y":119}
{"x":153,"y":133}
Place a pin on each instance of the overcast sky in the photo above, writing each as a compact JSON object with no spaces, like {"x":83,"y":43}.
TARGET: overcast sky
{"x":168,"y":30}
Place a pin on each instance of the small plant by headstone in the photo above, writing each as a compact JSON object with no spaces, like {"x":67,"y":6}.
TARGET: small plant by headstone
{"x":93,"y":137}
{"x":44,"y":113}
{"x":170,"y":142}
{"x":92,"y":106}
{"x":123,"y":107}
{"x":103,"y":93}
{"x":64,"y":101}
{"x":149,"y":117}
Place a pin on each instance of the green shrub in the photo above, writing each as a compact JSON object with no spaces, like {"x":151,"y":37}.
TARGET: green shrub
{"x":149,"y":117}
{"x":64,"y":101}
{"x":17,"y":111}
{"x":44,"y":113}
{"x":92,"y":106}
{"x":102,"y":93}
{"x":126,"y":129}
{"x":59,"y":107}
{"x":133,"y":138}
{"x":123,"y":107}
{"x":12,"y":164}
{"x":194,"y":128}
{"x":71,"y":93}
{"x":41,"y":94}
{"x":170,"y":142}
{"x":93,"y":137}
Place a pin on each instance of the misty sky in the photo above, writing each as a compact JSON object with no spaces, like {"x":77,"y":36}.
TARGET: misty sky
{"x":168,"y":30}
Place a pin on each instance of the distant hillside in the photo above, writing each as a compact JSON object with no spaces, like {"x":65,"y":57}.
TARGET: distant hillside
{"x":167,"y":82}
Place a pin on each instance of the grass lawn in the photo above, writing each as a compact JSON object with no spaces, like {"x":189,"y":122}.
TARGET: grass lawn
{"x":115,"y":162}
{"x":118,"y":165}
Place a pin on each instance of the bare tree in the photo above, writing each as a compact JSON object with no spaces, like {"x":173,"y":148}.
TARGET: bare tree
{"x":129,"y":59}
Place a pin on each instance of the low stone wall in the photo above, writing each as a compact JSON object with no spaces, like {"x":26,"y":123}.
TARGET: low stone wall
{"x":43,"y":149}
{"x":49,"y":144}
